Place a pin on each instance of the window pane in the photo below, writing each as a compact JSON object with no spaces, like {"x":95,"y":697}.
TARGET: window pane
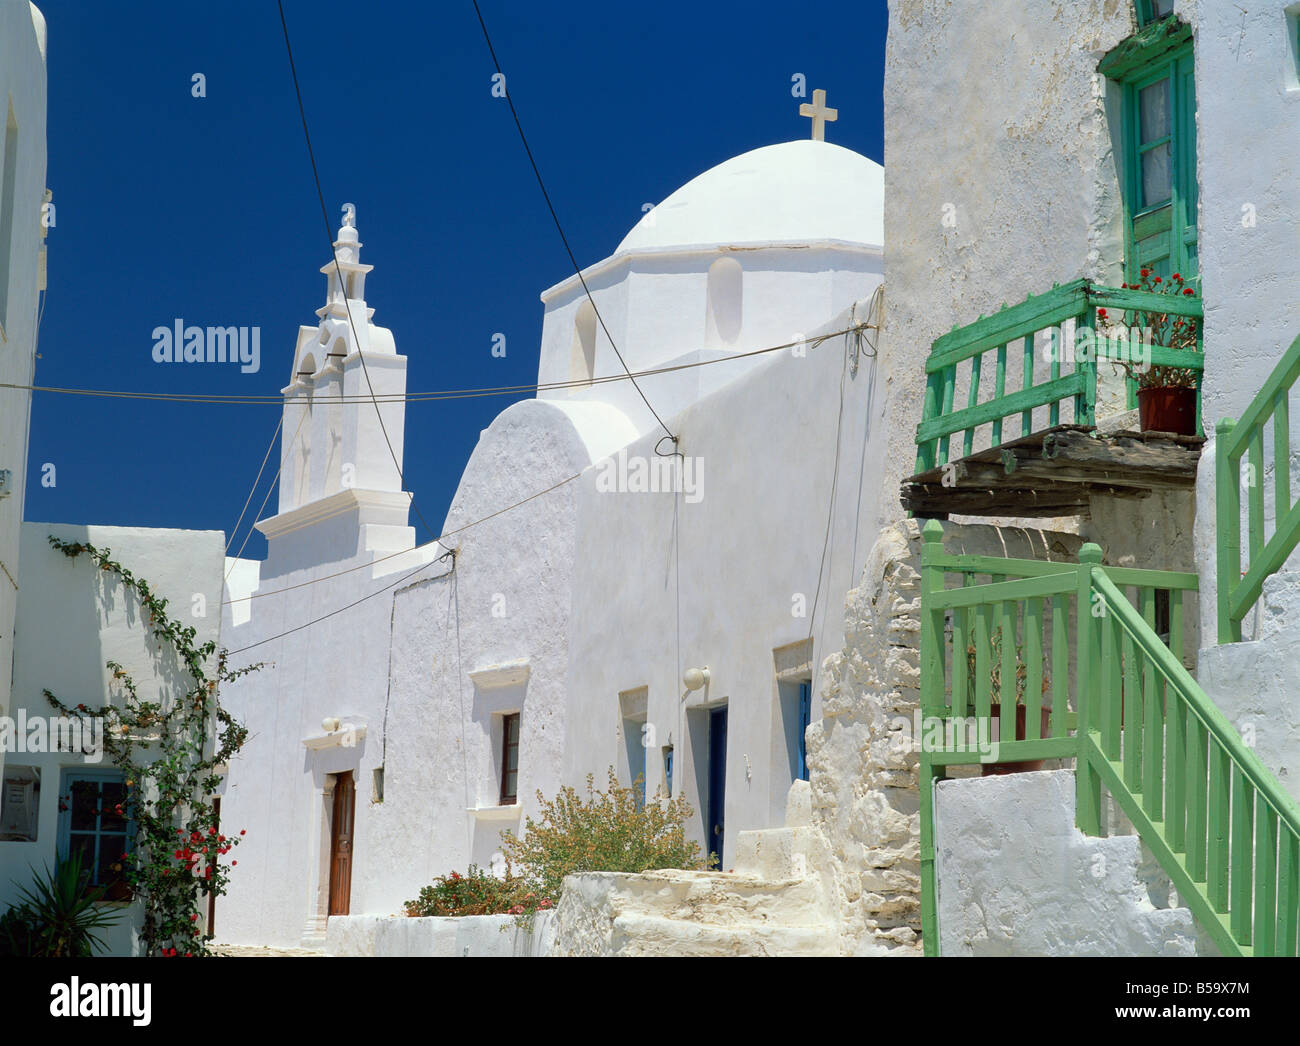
{"x":85,"y":805}
{"x":1155,"y":176}
{"x":83,"y":846}
{"x":112,"y":796}
{"x":508,"y":787}
{"x":512,"y":729}
{"x":111,"y":848}
{"x":1153,"y":110}
{"x":1161,"y":8}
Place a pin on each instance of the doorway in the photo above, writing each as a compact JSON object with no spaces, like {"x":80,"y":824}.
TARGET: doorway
{"x":345,"y":794}
{"x":715,"y":829}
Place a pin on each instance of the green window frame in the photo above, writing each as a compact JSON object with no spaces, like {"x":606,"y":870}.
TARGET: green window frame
{"x":1157,"y":149}
{"x":1149,"y":11}
{"x":1161,"y":196}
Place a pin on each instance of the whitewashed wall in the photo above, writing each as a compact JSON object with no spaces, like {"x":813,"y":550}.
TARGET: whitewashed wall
{"x":489,"y":638}
{"x":71,"y":621}
{"x":999,"y":174}
{"x":22,"y":83}
{"x":663,"y":584}
{"x":1248,"y":126}
{"x":277,"y":787}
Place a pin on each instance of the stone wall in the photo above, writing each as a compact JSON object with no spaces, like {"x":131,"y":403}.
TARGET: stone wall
{"x":864,"y":772}
{"x":471,"y":936}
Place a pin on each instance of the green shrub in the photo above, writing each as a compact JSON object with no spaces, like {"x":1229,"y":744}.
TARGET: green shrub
{"x":606,"y":832}
{"x":476,"y":893}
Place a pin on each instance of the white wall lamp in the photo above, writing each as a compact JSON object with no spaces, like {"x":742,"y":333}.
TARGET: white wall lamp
{"x":695,"y":678}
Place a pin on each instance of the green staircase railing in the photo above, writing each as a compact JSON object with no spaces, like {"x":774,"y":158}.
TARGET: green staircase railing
{"x":1244,"y":439}
{"x":1047,"y":378}
{"x":1222,"y":827}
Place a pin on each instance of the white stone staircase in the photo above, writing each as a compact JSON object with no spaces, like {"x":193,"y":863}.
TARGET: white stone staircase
{"x":1016,"y":877}
{"x":774,"y":903}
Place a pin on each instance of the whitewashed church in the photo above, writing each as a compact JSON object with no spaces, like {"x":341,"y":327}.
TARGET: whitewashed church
{"x":395,"y":740}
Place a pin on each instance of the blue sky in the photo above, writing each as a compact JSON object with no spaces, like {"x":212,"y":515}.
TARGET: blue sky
{"x":170,"y":206}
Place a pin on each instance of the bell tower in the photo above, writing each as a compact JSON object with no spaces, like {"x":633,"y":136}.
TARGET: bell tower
{"x":340,"y":488}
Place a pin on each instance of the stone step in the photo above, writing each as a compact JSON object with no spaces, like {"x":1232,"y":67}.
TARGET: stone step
{"x":720,"y":899}
{"x":778,"y":853}
{"x":637,"y":934}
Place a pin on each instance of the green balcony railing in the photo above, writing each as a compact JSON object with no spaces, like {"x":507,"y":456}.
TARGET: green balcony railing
{"x":1124,"y":707}
{"x":1043,"y":339}
{"x":1243,"y":441}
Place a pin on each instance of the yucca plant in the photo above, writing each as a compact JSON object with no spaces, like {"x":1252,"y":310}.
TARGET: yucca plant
{"x":58,"y":917}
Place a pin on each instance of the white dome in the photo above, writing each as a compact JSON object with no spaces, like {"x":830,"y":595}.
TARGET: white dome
{"x":797,"y":192}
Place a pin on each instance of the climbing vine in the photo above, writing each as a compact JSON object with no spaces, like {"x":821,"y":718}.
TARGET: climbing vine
{"x":169,"y":750}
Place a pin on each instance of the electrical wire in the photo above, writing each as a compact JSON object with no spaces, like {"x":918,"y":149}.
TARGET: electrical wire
{"x":556,"y":219}
{"x":223,"y":399}
{"x":303,"y":415}
{"x":333,"y":613}
{"x":329,"y":235}
{"x":253,"y":489}
{"x":441,"y":539}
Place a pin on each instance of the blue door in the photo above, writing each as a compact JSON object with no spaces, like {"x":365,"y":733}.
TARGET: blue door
{"x":717,"y":780}
{"x":805,"y":718}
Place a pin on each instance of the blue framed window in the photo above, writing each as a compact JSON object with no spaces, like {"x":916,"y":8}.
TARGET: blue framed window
{"x":95,"y":823}
{"x":634,"y":743}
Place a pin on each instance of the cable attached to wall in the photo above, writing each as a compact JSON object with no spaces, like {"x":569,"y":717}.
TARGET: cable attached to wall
{"x":560,"y":228}
{"x":347,"y":305}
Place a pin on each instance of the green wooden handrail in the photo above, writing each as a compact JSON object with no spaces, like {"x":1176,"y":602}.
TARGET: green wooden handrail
{"x":1018,"y":327}
{"x":1221,"y":825}
{"x":1198,"y":702}
{"x":1238,"y":592}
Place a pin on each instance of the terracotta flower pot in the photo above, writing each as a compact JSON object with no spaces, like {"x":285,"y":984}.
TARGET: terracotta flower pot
{"x":992,"y":769}
{"x":1168,"y":410}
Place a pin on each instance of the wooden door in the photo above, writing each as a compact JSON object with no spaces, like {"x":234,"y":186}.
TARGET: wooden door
{"x":345,"y":794}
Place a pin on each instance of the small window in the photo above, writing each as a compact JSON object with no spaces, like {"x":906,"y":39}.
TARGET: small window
{"x":509,"y":758}
{"x":668,"y":769}
{"x":95,"y":823}
{"x":20,"y":803}
{"x":634,"y":741}
{"x":1153,"y":10}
